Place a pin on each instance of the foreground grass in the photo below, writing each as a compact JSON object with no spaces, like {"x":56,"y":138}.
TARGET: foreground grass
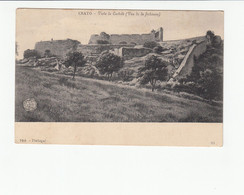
{"x":61,"y":99}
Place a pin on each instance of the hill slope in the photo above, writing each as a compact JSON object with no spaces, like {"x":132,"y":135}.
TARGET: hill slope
{"x":61,"y":99}
{"x":174,"y":52}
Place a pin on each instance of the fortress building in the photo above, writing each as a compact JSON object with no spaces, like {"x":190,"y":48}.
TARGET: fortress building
{"x":57,"y":47}
{"x":98,"y":44}
{"x":130,"y":39}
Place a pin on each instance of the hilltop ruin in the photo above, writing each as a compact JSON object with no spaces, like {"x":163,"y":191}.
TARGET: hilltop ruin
{"x":180,"y":53}
{"x":99,"y":43}
{"x":58,"y":48}
{"x":130,"y":39}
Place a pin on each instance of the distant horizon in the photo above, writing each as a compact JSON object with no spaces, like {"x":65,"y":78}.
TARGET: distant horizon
{"x":47,"y":24}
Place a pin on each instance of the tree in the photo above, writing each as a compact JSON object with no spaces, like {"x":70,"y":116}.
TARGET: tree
{"x":47,"y":53}
{"x":158,"y":49}
{"x":126,"y":74}
{"x":207,"y":75}
{"x":31,"y":53}
{"x":211,"y":83}
{"x":217,"y":42}
{"x":108,"y":63}
{"x":102,"y":41}
{"x":104,"y":35}
{"x":150,"y":44}
{"x":75,"y":59}
{"x":210,"y":34}
{"x":154,"y":70}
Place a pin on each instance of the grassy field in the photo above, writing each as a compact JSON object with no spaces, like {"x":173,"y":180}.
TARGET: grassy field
{"x":60,"y":99}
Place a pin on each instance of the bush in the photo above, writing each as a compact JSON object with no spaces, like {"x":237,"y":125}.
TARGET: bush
{"x":206,"y":78}
{"x":126,"y":75}
{"x":47,"y":53}
{"x":210,"y":34}
{"x":154,"y":70}
{"x":102,"y":42}
{"x":64,"y":81}
{"x":158,"y":49}
{"x":31,"y":53}
{"x":109,"y":63}
{"x":75,"y":59}
{"x":150,"y":44}
{"x":217,"y":42}
{"x":104,"y":35}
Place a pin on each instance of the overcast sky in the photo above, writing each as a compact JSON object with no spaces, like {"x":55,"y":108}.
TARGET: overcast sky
{"x":35,"y":25}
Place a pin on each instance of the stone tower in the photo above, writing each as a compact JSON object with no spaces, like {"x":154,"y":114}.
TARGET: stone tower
{"x":158,"y":34}
{"x":161,"y":34}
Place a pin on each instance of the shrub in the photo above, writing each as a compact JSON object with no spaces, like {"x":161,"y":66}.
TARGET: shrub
{"x":64,"y":81}
{"x":150,"y":44}
{"x":102,"y":42}
{"x":158,"y":49}
{"x":210,"y":34}
{"x":31,"y":53}
{"x":126,"y":75}
{"x":206,"y":78}
{"x":75,"y":59}
{"x":217,"y":42}
{"x":104,"y":35}
{"x":47,"y":53}
{"x":154,"y":70}
{"x":109,"y":63}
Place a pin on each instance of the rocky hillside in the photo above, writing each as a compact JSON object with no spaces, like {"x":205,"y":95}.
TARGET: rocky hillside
{"x":173,"y":52}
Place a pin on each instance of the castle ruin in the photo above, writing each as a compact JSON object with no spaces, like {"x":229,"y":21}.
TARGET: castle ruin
{"x":129,"y":46}
{"x":130,"y":39}
{"x":57,"y":47}
{"x":99,"y":43}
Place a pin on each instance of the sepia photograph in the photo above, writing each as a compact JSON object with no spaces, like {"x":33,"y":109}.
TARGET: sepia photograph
{"x":121,"y":97}
{"x":119,"y":66}
{"x":122,"y":71}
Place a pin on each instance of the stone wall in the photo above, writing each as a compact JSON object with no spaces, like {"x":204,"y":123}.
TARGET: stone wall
{"x":57,"y":47}
{"x":125,"y":51}
{"x":186,"y":65}
{"x":136,"y":39}
{"x":128,"y":53}
{"x":96,"y":49}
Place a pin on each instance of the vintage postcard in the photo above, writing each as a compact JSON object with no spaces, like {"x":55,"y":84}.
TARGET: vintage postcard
{"x":119,"y":77}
